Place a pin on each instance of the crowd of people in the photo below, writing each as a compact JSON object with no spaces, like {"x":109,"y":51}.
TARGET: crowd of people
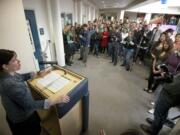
{"x":131,"y":41}
{"x":128,"y":40}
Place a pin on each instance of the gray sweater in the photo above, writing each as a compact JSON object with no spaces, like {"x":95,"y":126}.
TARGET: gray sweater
{"x":16,"y":97}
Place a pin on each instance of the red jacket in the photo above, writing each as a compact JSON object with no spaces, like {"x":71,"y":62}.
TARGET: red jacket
{"x":104,"y":40}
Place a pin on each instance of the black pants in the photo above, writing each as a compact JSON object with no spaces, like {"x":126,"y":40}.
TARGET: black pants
{"x":31,"y":126}
{"x":114,"y":53}
{"x":68,"y":58}
{"x":151,"y":80}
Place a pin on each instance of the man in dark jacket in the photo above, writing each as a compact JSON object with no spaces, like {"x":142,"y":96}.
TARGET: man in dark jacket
{"x":169,"y":97}
{"x":115,"y":38}
{"x":84,"y":44}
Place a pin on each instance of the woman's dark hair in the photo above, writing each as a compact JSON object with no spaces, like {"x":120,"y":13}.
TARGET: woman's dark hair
{"x":5,"y":57}
{"x":163,"y":33}
{"x":169,"y":30}
{"x":170,"y":44}
{"x":84,"y":25}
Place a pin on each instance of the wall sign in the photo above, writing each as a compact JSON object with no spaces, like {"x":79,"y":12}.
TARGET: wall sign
{"x":164,"y":1}
{"x":41,"y":31}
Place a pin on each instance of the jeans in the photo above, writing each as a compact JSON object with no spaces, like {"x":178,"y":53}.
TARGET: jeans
{"x":128,"y":55}
{"x":85,"y":51}
{"x":161,"y":112}
{"x":120,"y":52}
{"x":109,"y":48}
{"x":96,"y":49}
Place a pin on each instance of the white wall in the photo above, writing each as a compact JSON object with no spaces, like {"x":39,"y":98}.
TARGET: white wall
{"x":110,"y":12}
{"x":87,"y":11}
{"x":96,"y":13}
{"x":79,"y":12}
{"x":84,"y":13}
{"x":156,"y":7}
{"x":67,"y":6}
{"x":40,"y":9}
{"x":14,"y":34}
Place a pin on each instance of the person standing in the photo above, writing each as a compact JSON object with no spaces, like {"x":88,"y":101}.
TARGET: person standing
{"x":84,"y":44}
{"x":16,"y":98}
{"x":96,"y":40}
{"x":67,"y":48}
{"x":128,"y":50}
{"x":104,"y":40}
{"x":116,"y":38}
{"x":153,"y":36}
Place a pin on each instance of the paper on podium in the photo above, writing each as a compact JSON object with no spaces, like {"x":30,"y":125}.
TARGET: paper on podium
{"x":53,"y":81}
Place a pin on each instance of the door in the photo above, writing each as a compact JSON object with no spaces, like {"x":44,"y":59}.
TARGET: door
{"x":30,"y":17}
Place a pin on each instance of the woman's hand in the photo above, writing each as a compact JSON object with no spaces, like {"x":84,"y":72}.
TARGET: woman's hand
{"x":56,"y":99}
{"x":42,"y":73}
{"x":162,"y":54}
{"x":156,"y":71}
{"x":153,"y":56}
{"x":163,"y":74}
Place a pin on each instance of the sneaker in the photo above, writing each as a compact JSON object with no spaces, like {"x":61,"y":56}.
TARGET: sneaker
{"x":150,"y":91}
{"x":145,"y":89}
{"x":170,"y":123}
{"x":146,"y":129}
{"x":152,"y":103}
{"x":68,"y":64}
{"x":151,"y":111}
{"x":149,"y":120}
{"x":80,"y":59}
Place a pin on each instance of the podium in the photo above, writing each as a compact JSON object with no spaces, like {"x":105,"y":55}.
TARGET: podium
{"x":64,"y":119}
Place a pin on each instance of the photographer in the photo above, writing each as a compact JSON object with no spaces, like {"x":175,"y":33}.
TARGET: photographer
{"x":169,"y":97}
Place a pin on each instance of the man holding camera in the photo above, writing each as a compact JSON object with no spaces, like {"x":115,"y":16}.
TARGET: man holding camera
{"x":169,"y":97}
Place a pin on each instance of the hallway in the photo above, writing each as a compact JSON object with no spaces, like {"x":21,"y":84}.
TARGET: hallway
{"x":117,"y":101}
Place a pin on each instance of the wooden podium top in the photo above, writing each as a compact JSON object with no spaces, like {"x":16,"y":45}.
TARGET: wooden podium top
{"x":70,"y":78}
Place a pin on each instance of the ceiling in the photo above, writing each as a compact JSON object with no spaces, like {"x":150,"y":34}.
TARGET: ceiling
{"x":122,"y":4}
